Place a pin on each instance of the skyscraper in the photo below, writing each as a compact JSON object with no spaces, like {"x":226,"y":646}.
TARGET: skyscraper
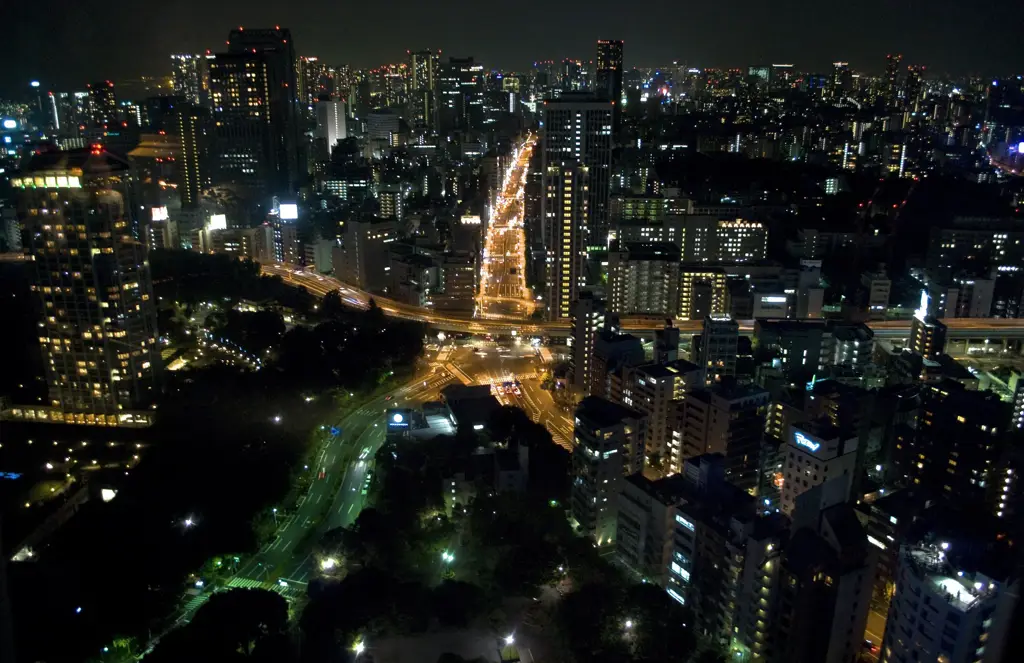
{"x":191,"y":76}
{"x":193,"y":127}
{"x":253,"y":91}
{"x":314,"y":80}
{"x":102,"y":104}
{"x":891,"y":81}
{"x":330,"y":123}
{"x":98,"y":333}
{"x":461,"y":101}
{"x":424,"y":76}
{"x":608,"y":75}
{"x":914,"y":87}
{"x":576,"y":151}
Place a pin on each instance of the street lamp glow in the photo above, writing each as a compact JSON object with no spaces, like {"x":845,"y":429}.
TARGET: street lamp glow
{"x":509,"y":639}
{"x":629,"y":624}
{"x":189,"y":522}
{"x":359,"y":647}
{"x":328,"y":563}
{"x":277,"y":418}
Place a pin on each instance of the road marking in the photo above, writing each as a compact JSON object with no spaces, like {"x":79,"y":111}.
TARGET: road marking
{"x":350,"y":506}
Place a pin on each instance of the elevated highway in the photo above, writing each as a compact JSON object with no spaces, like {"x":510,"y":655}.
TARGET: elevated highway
{"x":996,"y":330}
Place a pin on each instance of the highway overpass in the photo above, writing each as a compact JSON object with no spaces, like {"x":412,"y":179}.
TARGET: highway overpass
{"x":995,"y":330}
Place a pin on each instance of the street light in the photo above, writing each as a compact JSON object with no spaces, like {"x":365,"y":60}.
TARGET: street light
{"x":274,"y":510}
{"x":328,"y":563}
{"x":509,"y":639}
{"x":359,"y":647}
{"x":277,"y":418}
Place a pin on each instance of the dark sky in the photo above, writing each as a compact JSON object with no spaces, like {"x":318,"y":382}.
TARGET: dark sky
{"x":66,"y":43}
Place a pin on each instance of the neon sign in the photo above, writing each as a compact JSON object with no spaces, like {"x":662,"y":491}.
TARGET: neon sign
{"x":806,"y":442}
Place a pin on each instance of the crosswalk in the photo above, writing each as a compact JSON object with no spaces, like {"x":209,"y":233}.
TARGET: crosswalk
{"x":291,"y":590}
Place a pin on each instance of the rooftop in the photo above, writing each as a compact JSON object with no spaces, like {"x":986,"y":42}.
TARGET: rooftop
{"x":671,"y":369}
{"x":88,"y":160}
{"x":603,"y":412}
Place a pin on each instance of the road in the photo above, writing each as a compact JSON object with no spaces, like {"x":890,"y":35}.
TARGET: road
{"x":996,"y":329}
{"x":503,"y":291}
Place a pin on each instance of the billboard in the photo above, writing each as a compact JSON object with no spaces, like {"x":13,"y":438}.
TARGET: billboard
{"x":218,"y":222}
{"x":160,"y":213}
{"x":289,"y":211}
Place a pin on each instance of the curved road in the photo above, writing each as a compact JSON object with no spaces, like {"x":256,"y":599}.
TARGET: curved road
{"x":959,"y":328}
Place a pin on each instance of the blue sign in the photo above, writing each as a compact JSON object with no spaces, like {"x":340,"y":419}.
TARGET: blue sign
{"x":335,"y":431}
{"x":10,"y":475}
{"x":806,"y":442}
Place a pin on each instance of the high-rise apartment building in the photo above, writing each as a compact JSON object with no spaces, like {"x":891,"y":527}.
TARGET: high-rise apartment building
{"x":610,"y":446}
{"x":102,"y":105}
{"x":719,"y":343}
{"x":954,"y":602}
{"x":706,"y":238}
{"x":891,"y":80}
{"x":643,"y":279}
{"x":652,"y":390}
{"x":98,"y":332}
{"x":564,"y":213}
{"x":193,"y":172}
{"x":424,"y":77}
{"x":727,"y":419}
{"x":190,"y":73}
{"x":314,"y":81}
{"x":253,"y":95}
{"x":703,"y":291}
{"x":588,"y":317}
{"x":363,"y":258}
{"x":577,"y":129}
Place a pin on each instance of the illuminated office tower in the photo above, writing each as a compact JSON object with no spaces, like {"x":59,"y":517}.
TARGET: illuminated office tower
{"x":191,"y":76}
{"x":576,"y":132}
{"x":564,"y":218}
{"x":927,"y":335}
{"x":98,"y":330}
{"x":253,"y":94}
{"x":102,"y":104}
{"x":424,"y":76}
{"x":461,"y":95}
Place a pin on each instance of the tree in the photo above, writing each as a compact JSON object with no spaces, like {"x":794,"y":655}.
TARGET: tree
{"x":241,"y":624}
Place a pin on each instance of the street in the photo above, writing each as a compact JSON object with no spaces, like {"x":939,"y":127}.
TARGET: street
{"x":503,"y":291}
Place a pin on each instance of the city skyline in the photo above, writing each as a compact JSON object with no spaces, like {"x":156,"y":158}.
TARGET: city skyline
{"x":139,"y":44}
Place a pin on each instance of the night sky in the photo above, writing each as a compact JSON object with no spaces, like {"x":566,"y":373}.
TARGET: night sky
{"x":67,"y":43}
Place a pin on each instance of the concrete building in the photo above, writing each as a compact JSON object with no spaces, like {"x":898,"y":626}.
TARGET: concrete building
{"x":653,"y":389}
{"x":951,"y":604}
{"x":718,"y":348}
{"x":643,"y":279}
{"x":612,"y":352}
{"x":576,"y":131}
{"x":98,"y":331}
{"x":725,"y":418}
{"x":703,"y":291}
{"x":364,"y":252}
{"x":610,"y":446}
{"x":645,"y":521}
{"x":816,"y":452}
{"x":588,"y":317}
{"x":457,"y":282}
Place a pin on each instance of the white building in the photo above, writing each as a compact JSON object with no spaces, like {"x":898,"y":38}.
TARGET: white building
{"x":816,"y":452}
{"x":944,"y":613}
